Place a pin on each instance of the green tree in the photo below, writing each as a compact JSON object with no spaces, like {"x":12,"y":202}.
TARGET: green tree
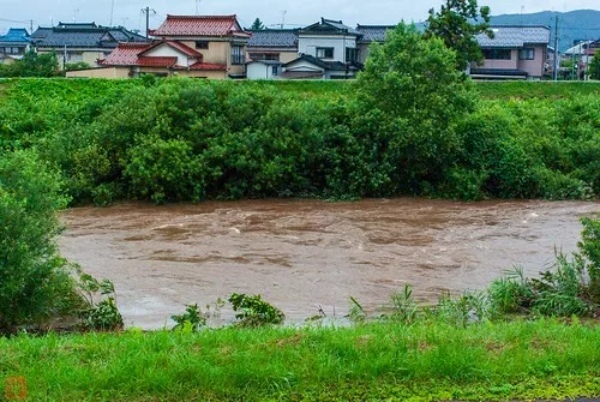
{"x":34,"y":279}
{"x":257,"y":25}
{"x":415,"y":96}
{"x":33,"y":65}
{"x":457,"y":24}
{"x":594,"y":68}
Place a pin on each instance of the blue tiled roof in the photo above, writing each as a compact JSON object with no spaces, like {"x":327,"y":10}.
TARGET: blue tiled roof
{"x":83,"y":36}
{"x":15,"y":35}
{"x":513,"y":36}
{"x":279,"y":38}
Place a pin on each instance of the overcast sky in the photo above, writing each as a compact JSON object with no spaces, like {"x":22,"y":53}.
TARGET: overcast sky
{"x":271,"y":12}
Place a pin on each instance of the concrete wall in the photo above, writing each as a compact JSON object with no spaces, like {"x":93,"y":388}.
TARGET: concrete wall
{"x":106,"y":72}
{"x":308,"y":44}
{"x":212,"y":75}
{"x":260,"y":71}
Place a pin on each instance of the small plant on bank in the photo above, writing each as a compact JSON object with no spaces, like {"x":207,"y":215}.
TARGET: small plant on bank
{"x":193,"y":318}
{"x":357,"y":313}
{"x":404,"y":307}
{"x":101,"y":312}
{"x":253,"y":311}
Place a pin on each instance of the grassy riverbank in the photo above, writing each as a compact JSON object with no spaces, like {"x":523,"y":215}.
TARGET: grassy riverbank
{"x":543,"y":359}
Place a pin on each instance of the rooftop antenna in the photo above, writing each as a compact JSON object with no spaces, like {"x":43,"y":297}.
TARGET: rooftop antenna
{"x":198,"y":7}
{"x":522,"y":11}
{"x":112,"y":12}
{"x":283,"y":18}
{"x":75,"y":12}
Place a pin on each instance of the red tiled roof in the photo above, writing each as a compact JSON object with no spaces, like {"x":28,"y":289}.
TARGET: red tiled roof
{"x":125,"y":54}
{"x":143,"y":61}
{"x":185,"y":49}
{"x":199,"y":25}
{"x":208,"y":67}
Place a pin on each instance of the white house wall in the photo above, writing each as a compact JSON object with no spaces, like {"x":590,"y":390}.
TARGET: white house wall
{"x":257,"y":71}
{"x":308,"y":44}
{"x":167,"y":51}
{"x":303,"y":66}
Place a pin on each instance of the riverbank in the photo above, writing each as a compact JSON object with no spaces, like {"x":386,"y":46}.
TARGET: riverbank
{"x":542,"y":360}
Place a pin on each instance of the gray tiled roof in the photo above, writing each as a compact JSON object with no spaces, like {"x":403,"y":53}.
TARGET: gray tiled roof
{"x":273,"y":38}
{"x":373,"y":33}
{"x":83,"y":36}
{"x":512,"y":36}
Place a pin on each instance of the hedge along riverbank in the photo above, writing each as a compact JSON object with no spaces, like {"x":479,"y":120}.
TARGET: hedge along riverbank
{"x":545,"y":360}
{"x":184,"y":140}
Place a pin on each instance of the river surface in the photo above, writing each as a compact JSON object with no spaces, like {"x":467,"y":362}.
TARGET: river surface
{"x":306,"y":255}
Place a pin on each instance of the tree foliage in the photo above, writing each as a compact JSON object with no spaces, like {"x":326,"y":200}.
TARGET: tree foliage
{"x":32,"y":65}
{"x":458,"y":23}
{"x":257,"y":25}
{"x":34,"y":279}
{"x":594,"y":68}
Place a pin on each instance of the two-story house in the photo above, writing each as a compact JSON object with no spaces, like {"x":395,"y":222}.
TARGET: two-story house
{"x":189,"y":46}
{"x":14,"y":45}
{"x":327,"y":49}
{"x":515,"y":52}
{"x":81,"y":42}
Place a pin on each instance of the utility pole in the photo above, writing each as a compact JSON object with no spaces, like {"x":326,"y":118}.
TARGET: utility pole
{"x":556,"y":61}
{"x":112,"y":12}
{"x":30,"y":27}
{"x":147,"y":11}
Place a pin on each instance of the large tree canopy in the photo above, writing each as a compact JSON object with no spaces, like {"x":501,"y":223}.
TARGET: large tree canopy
{"x":458,"y":23}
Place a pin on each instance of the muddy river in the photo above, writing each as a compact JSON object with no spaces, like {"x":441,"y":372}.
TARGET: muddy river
{"x":308,"y":255}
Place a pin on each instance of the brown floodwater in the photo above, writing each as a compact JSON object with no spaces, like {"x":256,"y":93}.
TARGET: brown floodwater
{"x":306,"y":255}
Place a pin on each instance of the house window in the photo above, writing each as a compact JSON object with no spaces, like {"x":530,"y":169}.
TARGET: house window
{"x":75,"y":57}
{"x":351,"y":55}
{"x":274,"y":70}
{"x":264,"y":56}
{"x":527,"y":54}
{"x":237,"y":55}
{"x":201,"y":44}
{"x":12,"y":50}
{"x":497,"y":54}
{"x":325,"y":53}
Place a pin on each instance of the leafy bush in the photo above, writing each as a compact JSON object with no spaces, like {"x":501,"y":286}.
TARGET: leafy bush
{"x":101,"y":312}
{"x":193,"y":318}
{"x":34,"y":280}
{"x":252,"y":311}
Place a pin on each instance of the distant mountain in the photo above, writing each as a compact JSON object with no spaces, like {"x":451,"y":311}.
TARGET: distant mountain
{"x":572,"y":26}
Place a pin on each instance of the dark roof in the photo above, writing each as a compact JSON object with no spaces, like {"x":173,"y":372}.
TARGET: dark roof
{"x":326,"y":65}
{"x":328,"y":27}
{"x":266,"y":62}
{"x":515,"y":36}
{"x":15,"y":35}
{"x":87,"y":35}
{"x":373,"y":33}
{"x":279,"y":38}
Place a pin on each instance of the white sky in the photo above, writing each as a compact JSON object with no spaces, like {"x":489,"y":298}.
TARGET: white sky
{"x":17,"y":13}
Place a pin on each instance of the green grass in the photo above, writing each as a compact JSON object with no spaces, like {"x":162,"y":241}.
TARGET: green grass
{"x":543,"y":359}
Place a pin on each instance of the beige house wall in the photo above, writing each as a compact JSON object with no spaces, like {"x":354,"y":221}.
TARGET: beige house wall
{"x":286,"y":57}
{"x":106,"y":72}
{"x":218,"y":52}
{"x":88,"y":56}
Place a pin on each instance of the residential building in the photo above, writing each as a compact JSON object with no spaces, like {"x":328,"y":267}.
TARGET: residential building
{"x":515,"y":52}
{"x":219,"y":39}
{"x":369,"y":35}
{"x":273,"y":44}
{"x":263,"y":69}
{"x":327,"y":49}
{"x":82,"y":42}
{"x":13,"y":45}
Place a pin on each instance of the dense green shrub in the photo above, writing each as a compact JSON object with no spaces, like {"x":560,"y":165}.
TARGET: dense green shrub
{"x":34,"y":279}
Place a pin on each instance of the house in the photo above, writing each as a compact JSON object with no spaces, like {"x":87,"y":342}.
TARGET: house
{"x":515,"y":52}
{"x":263,"y":69}
{"x":219,"y":39}
{"x":82,"y":42}
{"x":14,"y":45}
{"x":369,"y":35}
{"x":273,"y":44}
{"x":311,"y":67}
